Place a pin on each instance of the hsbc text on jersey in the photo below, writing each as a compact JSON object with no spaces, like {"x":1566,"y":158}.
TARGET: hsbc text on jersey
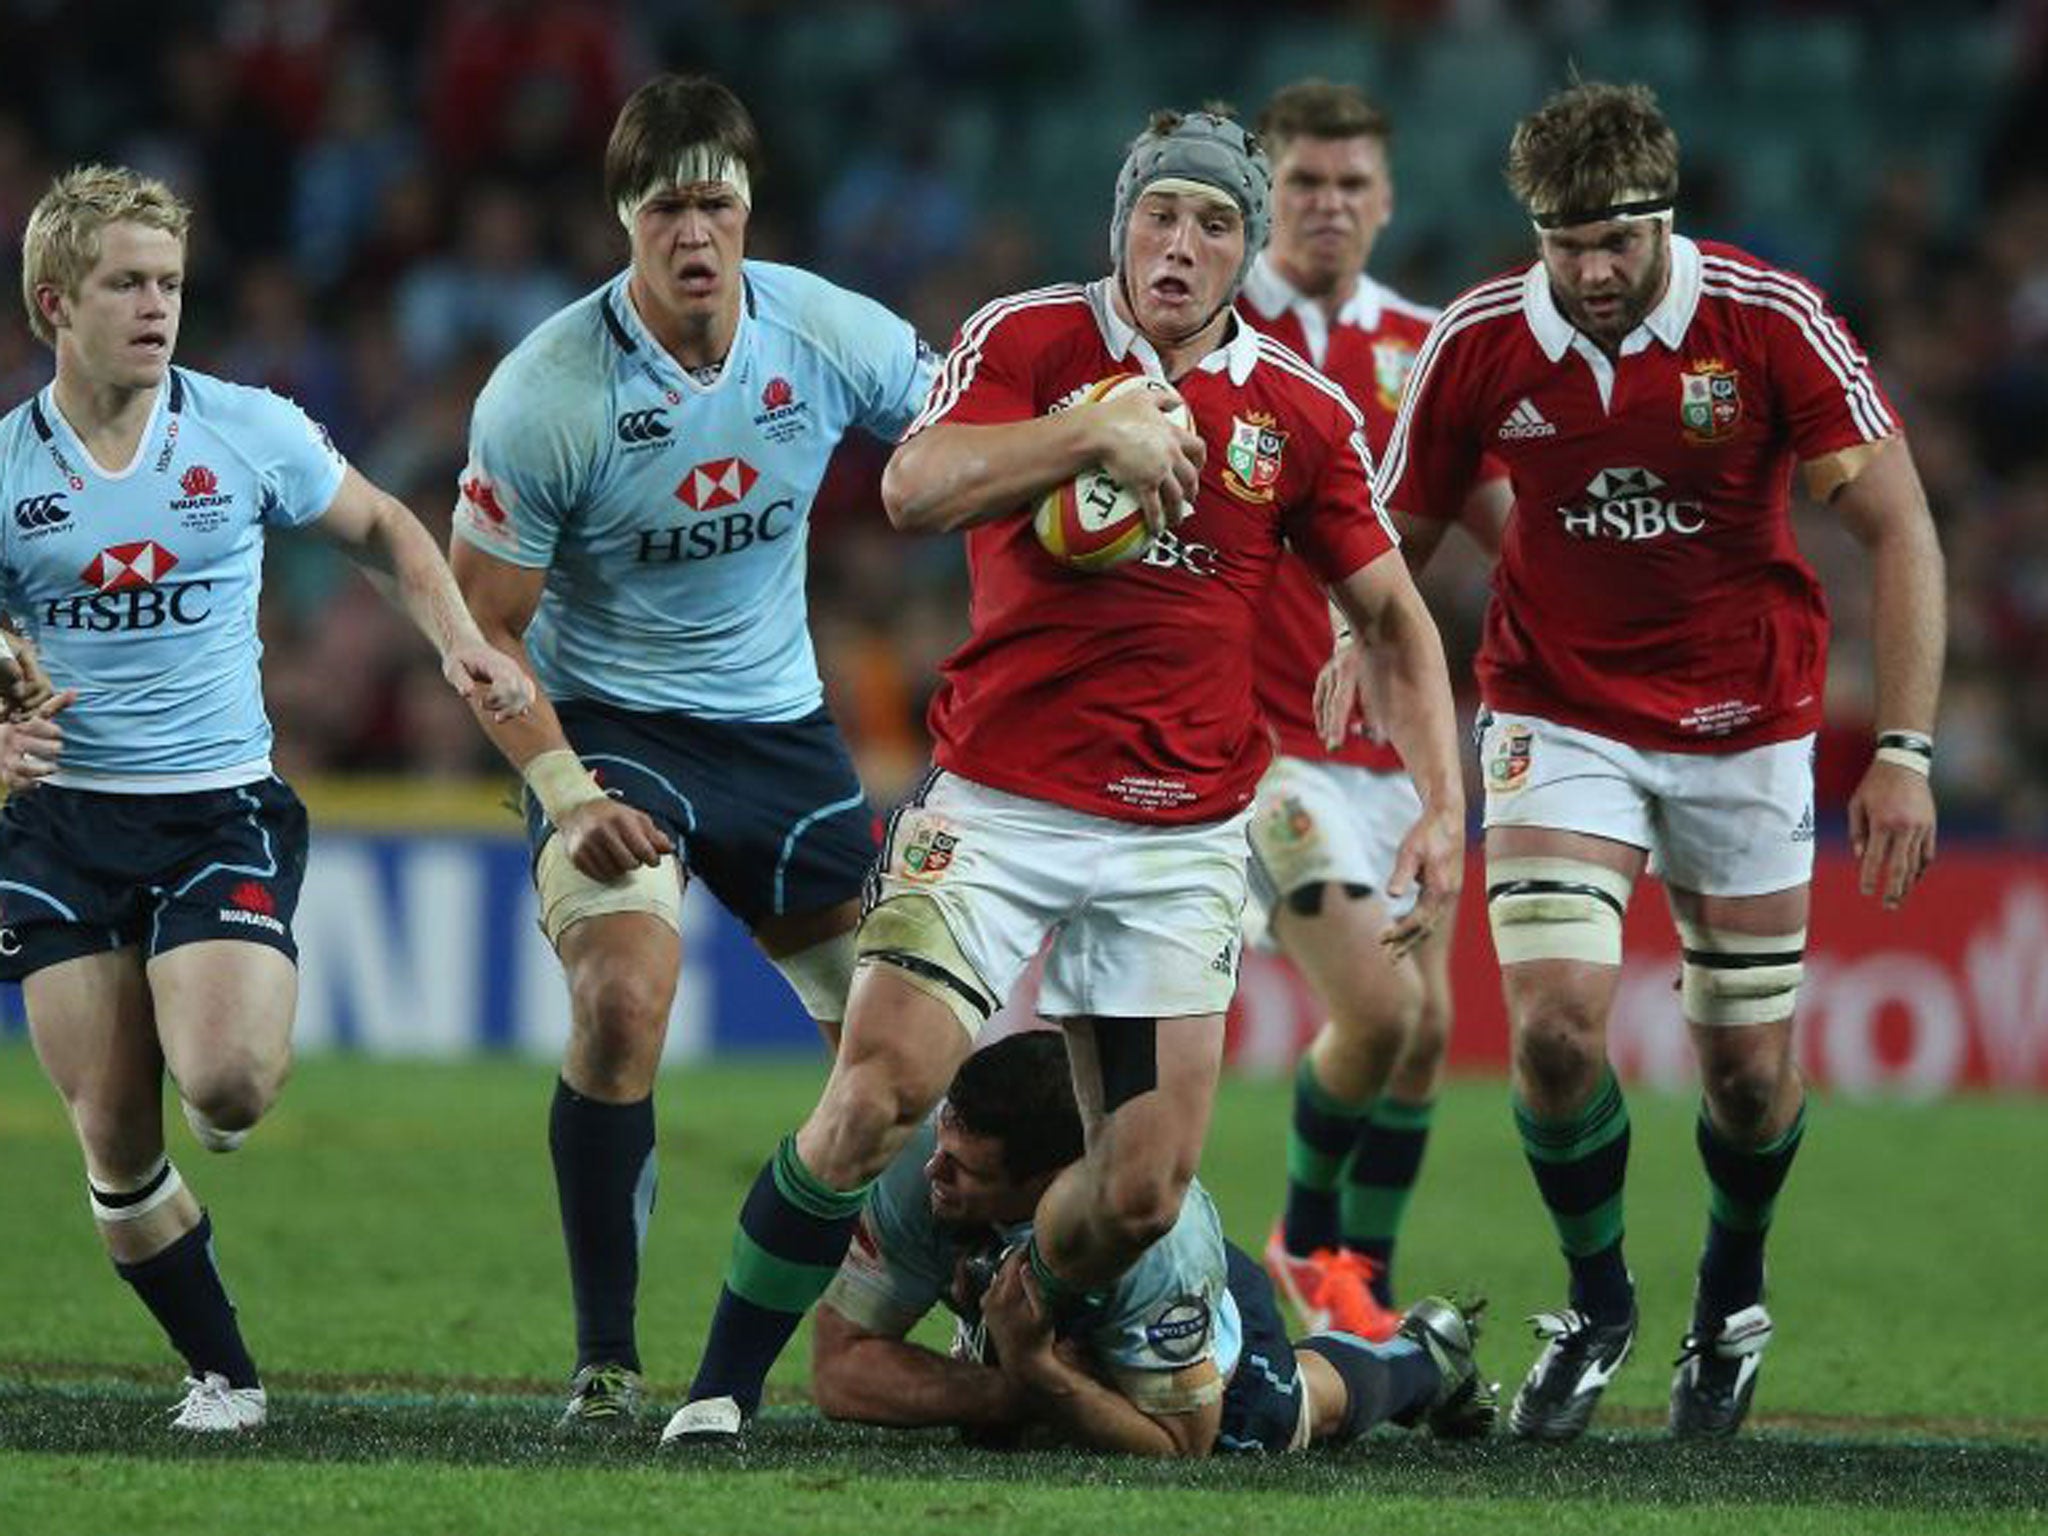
{"x":1624,"y":504}
{"x":177,"y":603}
{"x":708,"y":537}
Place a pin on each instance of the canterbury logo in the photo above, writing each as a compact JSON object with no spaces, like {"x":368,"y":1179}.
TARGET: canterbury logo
{"x":41,"y":511}
{"x":643,"y":426}
{"x":1526,"y":421}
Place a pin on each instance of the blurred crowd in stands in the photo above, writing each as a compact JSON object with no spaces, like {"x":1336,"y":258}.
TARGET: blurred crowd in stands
{"x":389,"y":194}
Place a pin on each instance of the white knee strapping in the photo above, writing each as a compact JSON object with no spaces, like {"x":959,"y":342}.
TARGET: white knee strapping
{"x":567,"y":895}
{"x":821,"y":975}
{"x":1555,"y":909}
{"x":1739,"y":978}
{"x":160,"y":1184}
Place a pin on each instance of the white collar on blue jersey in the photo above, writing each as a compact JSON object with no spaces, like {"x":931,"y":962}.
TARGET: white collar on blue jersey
{"x":1123,"y":340}
{"x":1666,"y":323}
{"x":1272,"y":295}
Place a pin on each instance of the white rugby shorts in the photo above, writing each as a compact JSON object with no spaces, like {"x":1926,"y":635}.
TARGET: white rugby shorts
{"x":1719,"y":823}
{"x":1143,"y":919}
{"x":1316,"y":822}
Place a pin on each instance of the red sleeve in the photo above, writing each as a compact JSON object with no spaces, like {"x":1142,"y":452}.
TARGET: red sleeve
{"x":1819,"y":375}
{"x":1433,"y":455}
{"x":987,"y":377}
{"x":1336,"y":528}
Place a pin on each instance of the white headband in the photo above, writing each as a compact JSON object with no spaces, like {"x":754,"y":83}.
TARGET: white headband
{"x":698,"y":164}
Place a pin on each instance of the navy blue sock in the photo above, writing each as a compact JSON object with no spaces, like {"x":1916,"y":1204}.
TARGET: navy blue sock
{"x":793,"y":1231}
{"x":183,"y":1291}
{"x":1396,"y":1381}
{"x":604,"y":1179}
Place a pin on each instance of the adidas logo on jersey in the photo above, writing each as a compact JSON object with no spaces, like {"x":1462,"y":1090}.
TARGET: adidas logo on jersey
{"x":1525,"y":421}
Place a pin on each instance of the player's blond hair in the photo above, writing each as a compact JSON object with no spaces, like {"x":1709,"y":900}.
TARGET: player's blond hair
{"x":1321,"y":109}
{"x":1589,"y":147}
{"x":62,"y":241}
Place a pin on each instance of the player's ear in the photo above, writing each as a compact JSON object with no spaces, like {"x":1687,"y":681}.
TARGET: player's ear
{"x":53,"y":305}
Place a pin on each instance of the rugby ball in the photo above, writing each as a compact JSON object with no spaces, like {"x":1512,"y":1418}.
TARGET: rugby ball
{"x":1090,"y":522}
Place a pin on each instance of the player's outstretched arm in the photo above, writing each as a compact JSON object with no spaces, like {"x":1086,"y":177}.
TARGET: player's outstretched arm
{"x":954,"y":475}
{"x":381,"y":534}
{"x":1411,"y":695}
{"x":1891,"y":815}
{"x":872,"y":1378}
{"x":605,"y":838}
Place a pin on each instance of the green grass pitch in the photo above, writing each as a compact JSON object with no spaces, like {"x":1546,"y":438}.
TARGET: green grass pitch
{"x":390,"y":1237}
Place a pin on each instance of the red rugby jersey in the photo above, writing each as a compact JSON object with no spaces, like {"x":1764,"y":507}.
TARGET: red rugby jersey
{"x":1649,"y":587}
{"x":1367,"y":351}
{"x":1128,"y":693}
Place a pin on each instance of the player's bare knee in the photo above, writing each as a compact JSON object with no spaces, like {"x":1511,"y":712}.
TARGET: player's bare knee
{"x":1141,"y":1204}
{"x":868,"y":1112}
{"x":619,"y":1016}
{"x":232,"y":1095}
{"x":1559,"y":1057}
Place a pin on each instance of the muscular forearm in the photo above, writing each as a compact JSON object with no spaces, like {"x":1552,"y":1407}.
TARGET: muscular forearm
{"x":902,"y":1385}
{"x":954,"y":476}
{"x":523,"y":737}
{"x":1908,"y":611}
{"x":1411,"y":695}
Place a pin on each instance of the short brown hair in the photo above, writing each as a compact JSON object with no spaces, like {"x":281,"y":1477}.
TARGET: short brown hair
{"x":1589,"y":146}
{"x":1321,"y":109}
{"x":62,"y":241}
{"x":666,"y":117}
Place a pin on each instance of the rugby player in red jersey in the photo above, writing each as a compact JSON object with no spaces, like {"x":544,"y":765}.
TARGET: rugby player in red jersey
{"x":1652,"y":667}
{"x":1097,"y":742}
{"x":1330,"y":816}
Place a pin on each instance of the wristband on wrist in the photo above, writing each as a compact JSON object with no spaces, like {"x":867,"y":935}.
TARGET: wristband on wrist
{"x":1911,"y":750}
{"x":560,"y":783}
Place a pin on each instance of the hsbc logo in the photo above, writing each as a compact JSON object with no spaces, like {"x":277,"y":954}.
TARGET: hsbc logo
{"x":129,"y":593}
{"x":37,"y":514}
{"x":641,"y":429}
{"x":1627,"y":504}
{"x":716,"y":483}
{"x":121,"y":566}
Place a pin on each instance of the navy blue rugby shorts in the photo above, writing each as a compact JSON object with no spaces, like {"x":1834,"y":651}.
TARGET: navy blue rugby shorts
{"x":769,"y":815}
{"x":83,"y":872}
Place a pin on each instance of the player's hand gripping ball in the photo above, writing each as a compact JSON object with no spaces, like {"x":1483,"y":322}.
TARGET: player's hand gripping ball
{"x":1090,"y":522}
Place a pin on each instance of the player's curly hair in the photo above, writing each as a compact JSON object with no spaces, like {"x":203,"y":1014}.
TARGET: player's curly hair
{"x":1321,"y":109}
{"x":1020,"y":1091}
{"x":663,"y":121}
{"x":1590,"y":145}
{"x":62,"y":241}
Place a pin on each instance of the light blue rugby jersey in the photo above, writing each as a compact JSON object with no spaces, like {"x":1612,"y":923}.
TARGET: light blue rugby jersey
{"x":673,"y":517}
{"x":1171,"y":1309}
{"x":139,"y":584}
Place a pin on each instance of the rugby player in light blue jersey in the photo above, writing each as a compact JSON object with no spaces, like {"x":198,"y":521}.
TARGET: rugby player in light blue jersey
{"x":149,"y":858}
{"x":1186,"y":1354}
{"x":633,"y":522}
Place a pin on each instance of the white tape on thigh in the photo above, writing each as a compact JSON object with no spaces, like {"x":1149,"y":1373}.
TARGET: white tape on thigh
{"x":567,"y":895}
{"x":167,"y":1190}
{"x":909,"y":934}
{"x":1739,"y":978}
{"x":821,"y":975}
{"x":1555,"y":909}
